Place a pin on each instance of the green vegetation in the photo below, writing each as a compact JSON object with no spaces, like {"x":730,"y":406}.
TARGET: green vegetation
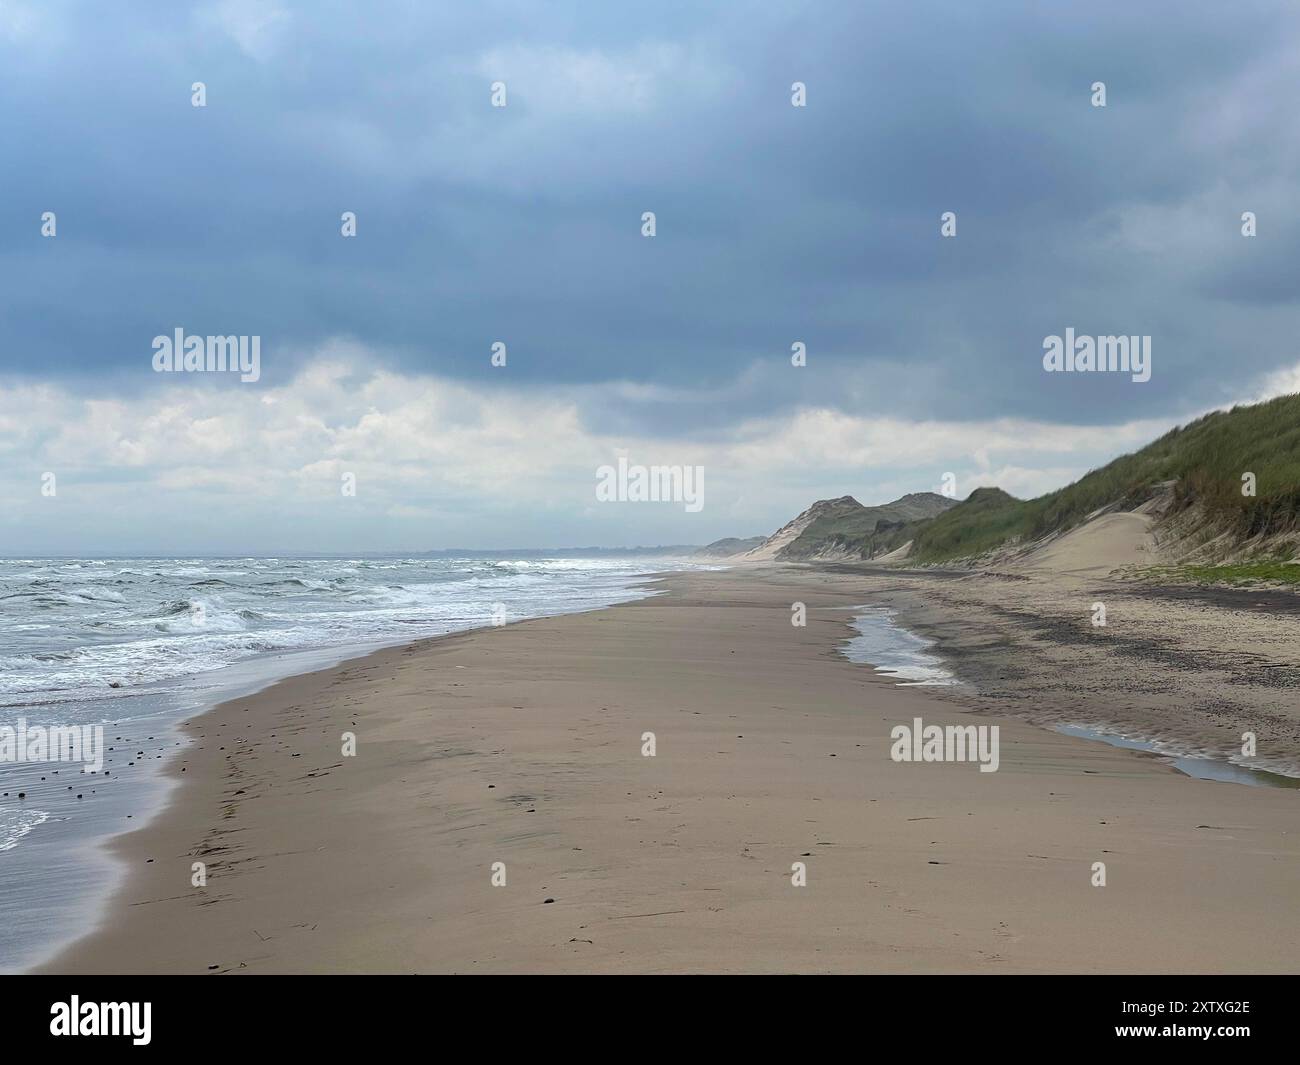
{"x":1206,"y":459}
{"x":846,"y":524}
{"x":988,"y":518}
{"x":1233,"y":574}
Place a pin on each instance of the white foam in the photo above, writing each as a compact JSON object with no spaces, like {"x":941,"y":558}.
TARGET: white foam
{"x":895,"y":651}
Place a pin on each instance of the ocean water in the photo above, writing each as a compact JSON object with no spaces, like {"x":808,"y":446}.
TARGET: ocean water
{"x":1200,"y":766}
{"x":136,"y":646}
{"x":895,"y":651}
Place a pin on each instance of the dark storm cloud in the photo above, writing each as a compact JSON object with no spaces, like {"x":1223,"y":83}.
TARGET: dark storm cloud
{"x":776,"y":224}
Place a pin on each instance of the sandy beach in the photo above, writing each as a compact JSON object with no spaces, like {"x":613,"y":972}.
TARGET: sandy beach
{"x":523,"y":745}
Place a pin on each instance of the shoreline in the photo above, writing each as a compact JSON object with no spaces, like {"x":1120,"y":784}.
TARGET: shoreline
{"x":320,"y":838}
{"x":165,"y":783}
{"x":159,"y":785}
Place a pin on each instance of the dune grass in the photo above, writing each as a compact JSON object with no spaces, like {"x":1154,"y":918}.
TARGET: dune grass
{"x":1234,"y":574}
{"x":1206,"y":459}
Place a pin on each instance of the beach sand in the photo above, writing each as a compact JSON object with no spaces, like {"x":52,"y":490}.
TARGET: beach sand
{"x":523,"y":745}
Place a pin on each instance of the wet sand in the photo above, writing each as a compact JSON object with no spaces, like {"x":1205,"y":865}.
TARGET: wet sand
{"x":523,"y":746}
{"x":1193,"y":669}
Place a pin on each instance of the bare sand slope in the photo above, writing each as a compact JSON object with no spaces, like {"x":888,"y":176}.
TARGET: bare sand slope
{"x":1096,"y":547}
{"x":774,"y":544}
{"x":523,"y":746}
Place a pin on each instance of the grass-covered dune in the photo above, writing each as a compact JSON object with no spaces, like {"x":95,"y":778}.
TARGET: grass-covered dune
{"x":1206,"y":460}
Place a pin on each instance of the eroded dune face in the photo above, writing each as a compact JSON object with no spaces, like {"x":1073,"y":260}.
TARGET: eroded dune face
{"x":843,"y":530}
{"x":1100,"y":545}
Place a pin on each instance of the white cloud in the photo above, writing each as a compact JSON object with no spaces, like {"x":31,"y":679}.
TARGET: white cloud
{"x":256,"y":26}
{"x":560,"y":81}
{"x":494,"y":459}
{"x":1283,"y":382}
{"x":18,"y":21}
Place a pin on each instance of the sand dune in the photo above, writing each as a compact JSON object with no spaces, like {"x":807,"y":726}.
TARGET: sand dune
{"x":1101,"y":545}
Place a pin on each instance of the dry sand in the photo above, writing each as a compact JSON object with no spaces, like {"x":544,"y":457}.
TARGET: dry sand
{"x":522,"y":745}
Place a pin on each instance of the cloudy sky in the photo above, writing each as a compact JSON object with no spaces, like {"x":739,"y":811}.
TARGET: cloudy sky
{"x":522,"y":224}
